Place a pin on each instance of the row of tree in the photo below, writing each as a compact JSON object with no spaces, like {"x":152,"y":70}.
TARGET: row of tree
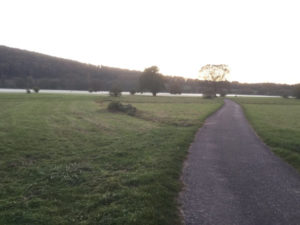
{"x":24,"y":69}
{"x":214,"y":82}
{"x":214,"y":77}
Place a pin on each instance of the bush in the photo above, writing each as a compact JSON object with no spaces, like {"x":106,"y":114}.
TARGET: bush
{"x":115,"y":91}
{"x":208,"y":96}
{"x":116,"y":106}
{"x":223,"y":94}
{"x":36,"y":89}
{"x":28,"y":91}
{"x":132,"y":91}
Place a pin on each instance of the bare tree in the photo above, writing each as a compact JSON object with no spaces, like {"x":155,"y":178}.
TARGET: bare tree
{"x":215,"y":75}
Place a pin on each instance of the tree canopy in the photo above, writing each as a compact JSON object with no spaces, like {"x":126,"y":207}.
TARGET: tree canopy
{"x":297,"y":91}
{"x":215,"y":77}
{"x":213,"y":72}
{"x":151,"y":80}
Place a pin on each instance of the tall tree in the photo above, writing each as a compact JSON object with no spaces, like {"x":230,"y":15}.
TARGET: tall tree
{"x":151,"y":80}
{"x":215,"y":75}
{"x":297,"y":91}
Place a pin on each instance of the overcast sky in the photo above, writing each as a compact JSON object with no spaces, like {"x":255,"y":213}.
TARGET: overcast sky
{"x":258,"y":39}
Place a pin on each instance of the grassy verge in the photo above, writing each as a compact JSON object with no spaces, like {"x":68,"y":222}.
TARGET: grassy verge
{"x":277,"y":122}
{"x":66,"y":160}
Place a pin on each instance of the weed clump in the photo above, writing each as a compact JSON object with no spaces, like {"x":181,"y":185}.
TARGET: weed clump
{"x":116,"y":106}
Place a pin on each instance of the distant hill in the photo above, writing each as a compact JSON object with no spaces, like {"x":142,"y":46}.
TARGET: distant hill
{"x":21,"y":69}
{"x":26,"y":69}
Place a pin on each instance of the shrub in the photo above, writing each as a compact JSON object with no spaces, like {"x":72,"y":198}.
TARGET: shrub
{"x":115,"y":91}
{"x":36,"y":89}
{"x":132,"y":91}
{"x":223,"y":94}
{"x":28,"y":91}
{"x":208,"y":96}
{"x":129,"y":109}
{"x":116,"y":106}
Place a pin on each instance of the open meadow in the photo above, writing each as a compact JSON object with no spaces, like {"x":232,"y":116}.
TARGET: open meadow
{"x":277,"y":122}
{"x":65,"y":159}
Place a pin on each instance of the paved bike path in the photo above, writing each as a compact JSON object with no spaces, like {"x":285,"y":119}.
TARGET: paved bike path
{"x":232,"y":178}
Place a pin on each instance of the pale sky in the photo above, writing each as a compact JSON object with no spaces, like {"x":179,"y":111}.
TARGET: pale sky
{"x":258,"y":39}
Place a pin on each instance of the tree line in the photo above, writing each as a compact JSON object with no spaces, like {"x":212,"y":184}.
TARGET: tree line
{"x":25,"y":69}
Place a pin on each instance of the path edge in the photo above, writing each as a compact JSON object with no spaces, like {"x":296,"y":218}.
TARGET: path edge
{"x":267,"y":147}
{"x":183,"y":166}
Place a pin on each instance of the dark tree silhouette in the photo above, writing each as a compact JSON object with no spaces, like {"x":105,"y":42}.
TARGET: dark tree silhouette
{"x":132,"y":91}
{"x":36,"y":89}
{"x":297,"y":91}
{"x":115,"y":91}
{"x":25,"y":69}
{"x":175,"y":88}
{"x":151,"y":80}
{"x":223,"y":88}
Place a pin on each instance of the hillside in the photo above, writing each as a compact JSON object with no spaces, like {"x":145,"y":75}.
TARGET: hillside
{"x":21,"y":69}
{"x":26,"y":69}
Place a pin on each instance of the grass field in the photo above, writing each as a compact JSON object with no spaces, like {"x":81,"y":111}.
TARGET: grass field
{"x":277,"y":122}
{"x":66,"y":160}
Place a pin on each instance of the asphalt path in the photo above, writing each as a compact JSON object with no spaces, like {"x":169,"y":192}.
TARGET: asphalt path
{"x":232,"y":178}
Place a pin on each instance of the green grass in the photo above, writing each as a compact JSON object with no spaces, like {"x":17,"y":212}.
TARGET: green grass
{"x":66,"y":160}
{"x":277,"y":122}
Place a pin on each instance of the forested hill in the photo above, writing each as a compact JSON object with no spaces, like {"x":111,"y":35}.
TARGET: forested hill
{"x":21,"y":69}
{"x":25,"y":69}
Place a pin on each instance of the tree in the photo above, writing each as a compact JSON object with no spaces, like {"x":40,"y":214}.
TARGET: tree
{"x":297,"y":91}
{"x":224,"y":88}
{"x":132,"y":91}
{"x":96,"y":85}
{"x":36,"y":89}
{"x":29,"y":82}
{"x":151,"y":80}
{"x":115,"y":91}
{"x":175,"y":84}
{"x":175,"y":88}
{"x":215,"y":75}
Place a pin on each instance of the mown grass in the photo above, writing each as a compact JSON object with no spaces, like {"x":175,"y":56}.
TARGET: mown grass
{"x":66,"y":160}
{"x":277,"y":122}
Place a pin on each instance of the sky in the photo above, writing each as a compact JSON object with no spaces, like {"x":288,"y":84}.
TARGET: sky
{"x":259,"y":39}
